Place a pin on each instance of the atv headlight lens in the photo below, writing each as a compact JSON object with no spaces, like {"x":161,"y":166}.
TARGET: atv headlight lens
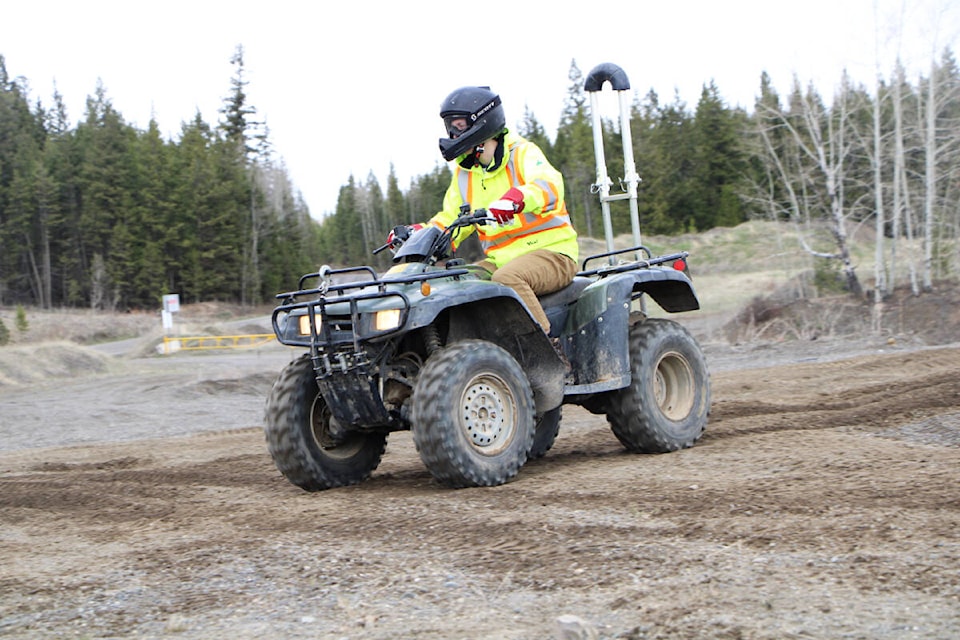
{"x":305,"y":324}
{"x":386,"y":319}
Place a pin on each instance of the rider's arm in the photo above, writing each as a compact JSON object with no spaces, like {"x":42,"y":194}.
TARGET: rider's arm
{"x":542,"y":186}
{"x":451,"y":211}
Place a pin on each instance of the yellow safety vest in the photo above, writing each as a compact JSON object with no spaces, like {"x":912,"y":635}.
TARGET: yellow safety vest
{"x":544,"y":222}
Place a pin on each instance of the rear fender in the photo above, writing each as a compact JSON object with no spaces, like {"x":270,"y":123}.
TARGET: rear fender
{"x":669,"y":288}
{"x":598,"y":324}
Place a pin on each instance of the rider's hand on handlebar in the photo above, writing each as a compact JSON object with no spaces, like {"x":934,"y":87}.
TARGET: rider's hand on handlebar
{"x":402,"y":232}
{"x":509,"y":205}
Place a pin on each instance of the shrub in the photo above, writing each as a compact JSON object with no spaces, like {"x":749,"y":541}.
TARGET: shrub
{"x":4,"y":333}
{"x":21,"y":320}
{"x":827,"y":277}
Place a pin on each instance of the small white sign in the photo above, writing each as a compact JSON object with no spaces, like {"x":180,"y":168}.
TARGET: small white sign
{"x":171,"y":302}
{"x":167,"y":318}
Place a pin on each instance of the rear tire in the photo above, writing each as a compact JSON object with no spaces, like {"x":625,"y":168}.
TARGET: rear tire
{"x":304,"y":441}
{"x":548,"y":426}
{"x":666,"y":406}
{"x":473,"y":413}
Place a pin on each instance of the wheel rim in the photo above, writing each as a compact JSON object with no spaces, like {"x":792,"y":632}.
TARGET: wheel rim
{"x":330,"y":438}
{"x":674,"y":386}
{"x":488,"y":414}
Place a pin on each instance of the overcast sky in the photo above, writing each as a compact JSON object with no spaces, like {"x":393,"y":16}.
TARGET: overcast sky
{"x":351,"y":87}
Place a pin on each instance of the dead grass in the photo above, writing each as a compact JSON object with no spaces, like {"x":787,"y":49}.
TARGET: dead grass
{"x":930,"y":318}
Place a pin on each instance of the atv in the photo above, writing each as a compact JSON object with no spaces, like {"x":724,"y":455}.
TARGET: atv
{"x":435,"y":347}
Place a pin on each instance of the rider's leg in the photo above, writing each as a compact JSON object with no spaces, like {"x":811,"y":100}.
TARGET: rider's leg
{"x":536,"y":273}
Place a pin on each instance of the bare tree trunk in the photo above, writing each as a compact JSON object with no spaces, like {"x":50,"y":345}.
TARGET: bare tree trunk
{"x":99,"y":281}
{"x":908,"y":219}
{"x":46,"y":297}
{"x":366,"y":213}
{"x":36,"y":282}
{"x":255,"y":228}
{"x":930,"y":144}
{"x":902,"y":213}
{"x":898,"y":171}
{"x":880,"y":277}
{"x":46,"y":270}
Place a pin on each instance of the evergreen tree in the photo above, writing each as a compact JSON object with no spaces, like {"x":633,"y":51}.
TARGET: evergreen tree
{"x":342,"y":233}
{"x":21,"y":142}
{"x":666,"y":157}
{"x":426,"y":193}
{"x":532,"y":130}
{"x":154,"y":219}
{"x":573,"y":154}
{"x":719,"y":161}
{"x":394,"y":207}
{"x":236,"y":124}
{"x":107,"y":181}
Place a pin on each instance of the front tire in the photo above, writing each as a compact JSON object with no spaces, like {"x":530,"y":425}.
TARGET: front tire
{"x":304,"y":441}
{"x":473,"y":413}
{"x":665,"y":408}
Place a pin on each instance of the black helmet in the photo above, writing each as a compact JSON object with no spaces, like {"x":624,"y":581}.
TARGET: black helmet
{"x":484,"y":117}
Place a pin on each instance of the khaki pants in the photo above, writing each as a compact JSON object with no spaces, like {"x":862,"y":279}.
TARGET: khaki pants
{"x":536,"y":273}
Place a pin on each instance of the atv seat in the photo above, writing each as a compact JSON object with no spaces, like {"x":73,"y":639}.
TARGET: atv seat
{"x":557,"y":304}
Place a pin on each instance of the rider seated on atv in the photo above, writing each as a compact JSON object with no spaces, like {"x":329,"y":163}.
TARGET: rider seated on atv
{"x":533,"y":249}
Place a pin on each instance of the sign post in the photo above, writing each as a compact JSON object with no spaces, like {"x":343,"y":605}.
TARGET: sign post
{"x":171,"y":305}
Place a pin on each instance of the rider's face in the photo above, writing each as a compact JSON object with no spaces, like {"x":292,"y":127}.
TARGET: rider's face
{"x":458,"y":125}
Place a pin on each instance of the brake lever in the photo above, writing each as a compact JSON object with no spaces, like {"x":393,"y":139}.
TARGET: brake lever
{"x":482,"y":217}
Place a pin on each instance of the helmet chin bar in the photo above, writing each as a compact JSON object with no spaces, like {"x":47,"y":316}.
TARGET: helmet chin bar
{"x":456,"y":147}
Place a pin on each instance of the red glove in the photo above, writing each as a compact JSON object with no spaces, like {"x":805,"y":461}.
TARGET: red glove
{"x":509,"y":205}
{"x":394,"y":238}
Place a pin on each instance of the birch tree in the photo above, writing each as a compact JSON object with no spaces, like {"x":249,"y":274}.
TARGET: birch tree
{"x":811,"y":166}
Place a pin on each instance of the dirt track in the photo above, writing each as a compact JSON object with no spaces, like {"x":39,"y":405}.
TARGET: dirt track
{"x":821,"y":503}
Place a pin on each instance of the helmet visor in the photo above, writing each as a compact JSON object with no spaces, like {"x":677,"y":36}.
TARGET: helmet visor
{"x":456,"y":124}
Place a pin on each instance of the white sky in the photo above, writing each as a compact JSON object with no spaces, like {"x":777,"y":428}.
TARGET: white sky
{"x":349,"y":87}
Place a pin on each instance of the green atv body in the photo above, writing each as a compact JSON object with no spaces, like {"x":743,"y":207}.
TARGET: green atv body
{"x":434,"y":346}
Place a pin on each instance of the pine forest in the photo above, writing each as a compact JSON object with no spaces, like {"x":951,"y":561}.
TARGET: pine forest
{"x":103,"y":215}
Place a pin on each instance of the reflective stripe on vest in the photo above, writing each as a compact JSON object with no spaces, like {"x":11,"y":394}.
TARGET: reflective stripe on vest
{"x":530,"y":223}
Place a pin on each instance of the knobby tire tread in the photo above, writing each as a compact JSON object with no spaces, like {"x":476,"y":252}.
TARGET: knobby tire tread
{"x":295,"y":456}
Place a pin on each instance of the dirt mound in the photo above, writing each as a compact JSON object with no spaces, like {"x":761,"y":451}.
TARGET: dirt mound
{"x":790,"y":314}
{"x":33,"y":363}
{"x":257,"y":383}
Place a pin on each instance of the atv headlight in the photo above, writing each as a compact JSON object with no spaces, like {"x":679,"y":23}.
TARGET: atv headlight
{"x":386,"y":319}
{"x":305,"y":324}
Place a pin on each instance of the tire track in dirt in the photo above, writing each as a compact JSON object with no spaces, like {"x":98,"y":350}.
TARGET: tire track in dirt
{"x":789,"y":519}
{"x":865,"y":393}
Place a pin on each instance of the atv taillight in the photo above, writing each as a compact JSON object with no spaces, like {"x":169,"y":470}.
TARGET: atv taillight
{"x":680,"y":265}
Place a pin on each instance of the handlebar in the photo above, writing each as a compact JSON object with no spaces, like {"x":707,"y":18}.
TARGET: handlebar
{"x":479,"y":217}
